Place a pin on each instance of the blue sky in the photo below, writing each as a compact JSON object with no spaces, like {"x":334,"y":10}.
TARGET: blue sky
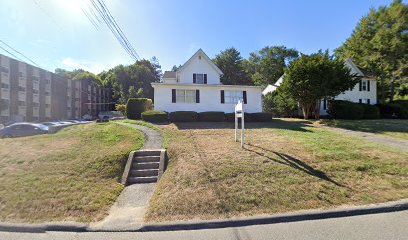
{"x":56,"y":33}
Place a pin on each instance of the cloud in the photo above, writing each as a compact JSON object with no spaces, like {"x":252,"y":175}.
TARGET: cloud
{"x":84,"y":64}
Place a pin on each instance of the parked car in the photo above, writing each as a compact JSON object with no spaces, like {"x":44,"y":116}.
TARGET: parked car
{"x":110,"y":115}
{"x":23,"y":129}
{"x":49,"y":123}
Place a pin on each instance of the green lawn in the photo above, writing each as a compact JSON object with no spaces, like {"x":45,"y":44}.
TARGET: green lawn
{"x":389,"y":127}
{"x":285,"y":166}
{"x":70,"y":175}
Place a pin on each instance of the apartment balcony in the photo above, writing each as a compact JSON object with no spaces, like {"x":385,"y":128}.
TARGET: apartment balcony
{"x":48,"y":112}
{"x":69,"y":93}
{"x":48,"y":87}
{"x":5,"y":78}
{"x":69,"y":104}
{"x":5,"y":112}
{"x":36,"y":111}
{"x":36,"y":85}
{"x":77,"y":104}
{"x":36,"y":98}
{"x":22,"y":96}
{"x":22,"y":82}
{"x":47,"y":99}
{"x":22,"y":110}
{"x":5,"y":93}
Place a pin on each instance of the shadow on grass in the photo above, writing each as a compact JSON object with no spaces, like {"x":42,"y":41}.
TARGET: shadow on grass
{"x":371,"y":126}
{"x":274,"y":123}
{"x":293,"y":162}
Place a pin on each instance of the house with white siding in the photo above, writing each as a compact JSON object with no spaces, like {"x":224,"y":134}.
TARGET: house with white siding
{"x":196,"y":86}
{"x":365,"y":91}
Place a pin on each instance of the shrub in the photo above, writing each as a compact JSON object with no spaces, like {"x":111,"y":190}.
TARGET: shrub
{"x":393,"y":110}
{"x":370,"y":111}
{"x":183,"y":116}
{"x":230,"y":117}
{"x":154,"y":116}
{"x":279,"y":104}
{"x":261,"y":117}
{"x":121,"y":108}
{"x":339,"y":109}
{"x":135,"y":106}
{"x":211,"y":116}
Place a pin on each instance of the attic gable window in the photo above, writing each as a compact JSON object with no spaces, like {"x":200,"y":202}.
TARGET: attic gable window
{"x":200,"y":78}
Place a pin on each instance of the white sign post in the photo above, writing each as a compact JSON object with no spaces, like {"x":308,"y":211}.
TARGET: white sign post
{"x":239,"y":113}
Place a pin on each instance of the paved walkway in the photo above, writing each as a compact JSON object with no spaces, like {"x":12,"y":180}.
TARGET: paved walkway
{"x":391,"y":141}
{"x":371,"y":227}
{"x":129,"y":210}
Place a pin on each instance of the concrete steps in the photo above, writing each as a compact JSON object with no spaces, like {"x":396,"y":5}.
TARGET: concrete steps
{"x":144,"y":167}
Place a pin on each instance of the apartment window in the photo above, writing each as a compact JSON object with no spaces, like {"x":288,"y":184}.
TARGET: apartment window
{"x":35,"y":91}
{"x":200,"y":78}
{"x":21,"y":89}
{"x":47,"y":81}
{"x":35,"y":104}
{"x":4,"y":85}
{"x":233,"y":96}
{"x":4,"y":69}
{"x":21,"y":103}
{"x":20,"y":74}
{"x":47,"y":93}
{"x":47,"y":105}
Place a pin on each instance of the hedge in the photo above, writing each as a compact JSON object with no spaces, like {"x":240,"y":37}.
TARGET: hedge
{"x":393,"y":110}
{"x":339,"y":109}
{"x":135,"y":106}
{"x":211,"y":116}
{"x":261,"y":117}
{"x":183,"y":116}
{"x":230,"y":117}
{"x":370,"y":111}
{"x":154,"y":116}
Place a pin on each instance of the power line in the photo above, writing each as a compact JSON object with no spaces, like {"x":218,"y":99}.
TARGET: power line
{"x":19,"y":53}
{"x":11,"y":54}
{"x":111,"y":23}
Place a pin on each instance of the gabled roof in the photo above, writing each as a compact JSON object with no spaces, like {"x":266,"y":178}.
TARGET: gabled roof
{"x":200,"y":51}
{"x":169,"y":74}
{"x":353,"y":67}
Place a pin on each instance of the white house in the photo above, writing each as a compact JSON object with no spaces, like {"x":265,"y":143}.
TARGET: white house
{"x":196,"y":87}
{"x":364,"y":92}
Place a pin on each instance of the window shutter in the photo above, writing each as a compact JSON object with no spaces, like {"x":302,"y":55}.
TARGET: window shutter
{"x":360,"y":85}
{"x":222,"y":96}
{"x":368,"y":85}
{"x":368,"y":101}
{"x":205,"y":78}
{"x":194,"y":78}
{"x":197,"y":96}
{"x":173,"y":95}
{"x":244,"y":95}
{"x":360,"y":100}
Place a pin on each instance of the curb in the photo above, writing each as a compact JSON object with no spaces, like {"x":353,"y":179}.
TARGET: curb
{"x":280,"y":218}
{"x":305,"y":215}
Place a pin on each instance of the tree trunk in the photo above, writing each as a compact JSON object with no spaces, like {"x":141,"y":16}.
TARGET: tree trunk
{"x":306,"y":110}
{"x":317,"y":109}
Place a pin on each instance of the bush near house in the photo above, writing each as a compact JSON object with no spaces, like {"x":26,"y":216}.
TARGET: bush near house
{"x":370,"y":111}
{"x":211,"y":116}
{"x":121,"y":108}
{"x":183,"y":116}
{"x":155,"y":116}
{"x":397,"y":109}
{"x":135,"y":106}
{"x":261,"y":117}
{"x":230,"y":117}
{"x":339,"y":109}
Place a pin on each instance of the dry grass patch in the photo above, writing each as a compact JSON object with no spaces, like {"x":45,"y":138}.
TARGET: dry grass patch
{"x":70,"y":175}
{"x":285,"y":166}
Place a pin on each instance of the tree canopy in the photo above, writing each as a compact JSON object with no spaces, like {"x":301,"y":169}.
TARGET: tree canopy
{"x":379,"y":44}
{"x":266,"y":66}
{"x":231,"y":64}
{"x":311,"y":78}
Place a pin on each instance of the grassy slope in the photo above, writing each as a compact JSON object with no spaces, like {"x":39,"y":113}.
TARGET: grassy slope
{"x":70,"y":175}
{"x":390,"y":127}
{"x":285,"y":166}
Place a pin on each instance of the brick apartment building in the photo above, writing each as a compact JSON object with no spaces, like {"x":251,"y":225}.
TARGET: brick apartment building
{"x":32,"y":94}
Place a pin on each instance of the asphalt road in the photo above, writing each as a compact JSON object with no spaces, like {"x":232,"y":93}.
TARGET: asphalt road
{"x":375,"y":226}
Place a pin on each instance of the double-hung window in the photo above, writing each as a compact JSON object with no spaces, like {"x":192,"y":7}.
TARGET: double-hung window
{"x":200,"y":78}
{"x":233,"y":96}
{"x":185,"y":96}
